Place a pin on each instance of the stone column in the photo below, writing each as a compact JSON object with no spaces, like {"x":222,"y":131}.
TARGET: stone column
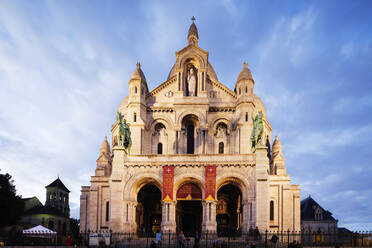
{"x":245,"y":224}
{"x":209,"y":222}
{"x":168,"y":218}
{"x":130,"y":225}
{"x":116,"y":191}
{"x":93,"y":208}
{"x":262,"y":188}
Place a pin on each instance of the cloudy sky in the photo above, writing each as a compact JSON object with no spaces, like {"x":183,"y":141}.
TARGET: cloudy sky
{"x":65,"y":65}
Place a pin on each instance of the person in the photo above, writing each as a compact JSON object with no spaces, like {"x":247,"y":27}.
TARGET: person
{"x":256,"y":234}
{"x":158,"y":237}
{"x":69,"y":241}
{"x":160,"y":244}
{"x":250,"y":232}
{"x":274,"y":240}
{"x":181,"y":240}
{"x":253,"y":245}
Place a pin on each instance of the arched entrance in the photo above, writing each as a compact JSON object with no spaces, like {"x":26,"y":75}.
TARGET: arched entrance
{"x":189,"y":209}
{"x":229,"y":211}
{"x":148,"y":211}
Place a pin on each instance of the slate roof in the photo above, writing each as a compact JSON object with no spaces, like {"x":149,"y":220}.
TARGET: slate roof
{"x":44,"y":210}
{"x":58,"y":184}
{"x":308,"y":207}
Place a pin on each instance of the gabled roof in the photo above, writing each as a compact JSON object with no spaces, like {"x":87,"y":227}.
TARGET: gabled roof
{"x":308,"y":207}
{"x":58,"y":184}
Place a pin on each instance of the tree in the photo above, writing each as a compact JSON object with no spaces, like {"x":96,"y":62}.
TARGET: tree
{"x":11,"y":205}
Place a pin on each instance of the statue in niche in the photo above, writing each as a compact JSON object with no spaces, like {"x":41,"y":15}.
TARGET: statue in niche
{"x":159,"y":130}
{"x":191,"y":81}
{"x":221,"y":130}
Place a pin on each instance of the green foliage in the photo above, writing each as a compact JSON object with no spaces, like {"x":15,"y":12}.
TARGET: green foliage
{"x":11,"y":205}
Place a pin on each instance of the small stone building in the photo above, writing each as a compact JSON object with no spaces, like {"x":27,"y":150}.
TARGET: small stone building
{"x":314,"y":218}
{"x":55,"y":214}
{"x":191,"y":166}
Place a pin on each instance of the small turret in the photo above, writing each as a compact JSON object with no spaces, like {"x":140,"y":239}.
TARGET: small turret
{"x":277,"y":158}
{"x":244,"y":83}
{"x":137,"y":86}
{"x":104,"y":159}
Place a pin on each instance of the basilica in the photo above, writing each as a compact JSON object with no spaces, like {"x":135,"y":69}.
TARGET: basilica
{"x":190,"y":155}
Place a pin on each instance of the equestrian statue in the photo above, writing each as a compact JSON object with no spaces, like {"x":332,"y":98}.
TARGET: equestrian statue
{"x":123,"y":137}
{"x":257,"y":131}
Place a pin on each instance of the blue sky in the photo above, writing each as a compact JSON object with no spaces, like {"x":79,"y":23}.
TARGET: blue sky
{"x":65,"y":65}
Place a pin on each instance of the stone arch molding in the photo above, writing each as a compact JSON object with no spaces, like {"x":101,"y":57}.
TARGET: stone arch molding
{"x":165,"y":120}
{"x":235,"y":179}
{"x":184,"y":178}
{"x":220,"y":119}
{"x":201,"y":117}
{"x":135,"y":184}
{"x":193,"y":56}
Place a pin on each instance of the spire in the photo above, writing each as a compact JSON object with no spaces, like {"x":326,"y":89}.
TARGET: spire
{"x":138,"y":73}
{"x":193,"y":36}
{"x":277,"y":148}
{"x":245,"y":73}
{"x":105,"y":148}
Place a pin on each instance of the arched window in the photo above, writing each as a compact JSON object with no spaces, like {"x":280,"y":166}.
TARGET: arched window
{"x":240,"y":91}
{"x":246,"y":89}
{"x":107,"y":211}
{"x":135,"y":89}
{"x":135,"y":117}
{"x":221,"y":148}
{"x":190,"y":138}
{"x":160,"y":148}
{"x":246,"y":117}
{"x":271,"y":210}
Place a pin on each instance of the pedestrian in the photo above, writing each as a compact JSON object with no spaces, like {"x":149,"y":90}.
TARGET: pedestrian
{"x":274,"y":240}
{"x":181,"y":240}
{"x":256,"y":234}
{"x":158,"y":237}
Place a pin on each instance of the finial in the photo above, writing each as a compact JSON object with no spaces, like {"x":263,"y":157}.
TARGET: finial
{"x":193,"y":18}
{"x":245,"y":65}
{"x":138,"y":65}
{"x":105,"y":137}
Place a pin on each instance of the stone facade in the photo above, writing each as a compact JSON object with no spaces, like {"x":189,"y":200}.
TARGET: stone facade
{"x":191,"y":121}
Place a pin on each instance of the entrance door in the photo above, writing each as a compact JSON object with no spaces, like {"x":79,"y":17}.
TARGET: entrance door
{"x":229,"y":211}
{"x":189,"y":217}
{"x":148,"y":211}
{"x":189,"y":209}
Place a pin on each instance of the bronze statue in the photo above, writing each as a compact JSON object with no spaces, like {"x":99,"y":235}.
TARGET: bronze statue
{"x":124,"y":135}
{"x":257,"y":131}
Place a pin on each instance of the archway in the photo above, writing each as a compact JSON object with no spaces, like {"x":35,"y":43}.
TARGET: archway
{"x":229,"y":211}
{"x":190,"y":124}
{"x":189,"y":209}
{"x":148,"y":211}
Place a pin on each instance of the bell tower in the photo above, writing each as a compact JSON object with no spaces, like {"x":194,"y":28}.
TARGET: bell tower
{"x":57,"y":196}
